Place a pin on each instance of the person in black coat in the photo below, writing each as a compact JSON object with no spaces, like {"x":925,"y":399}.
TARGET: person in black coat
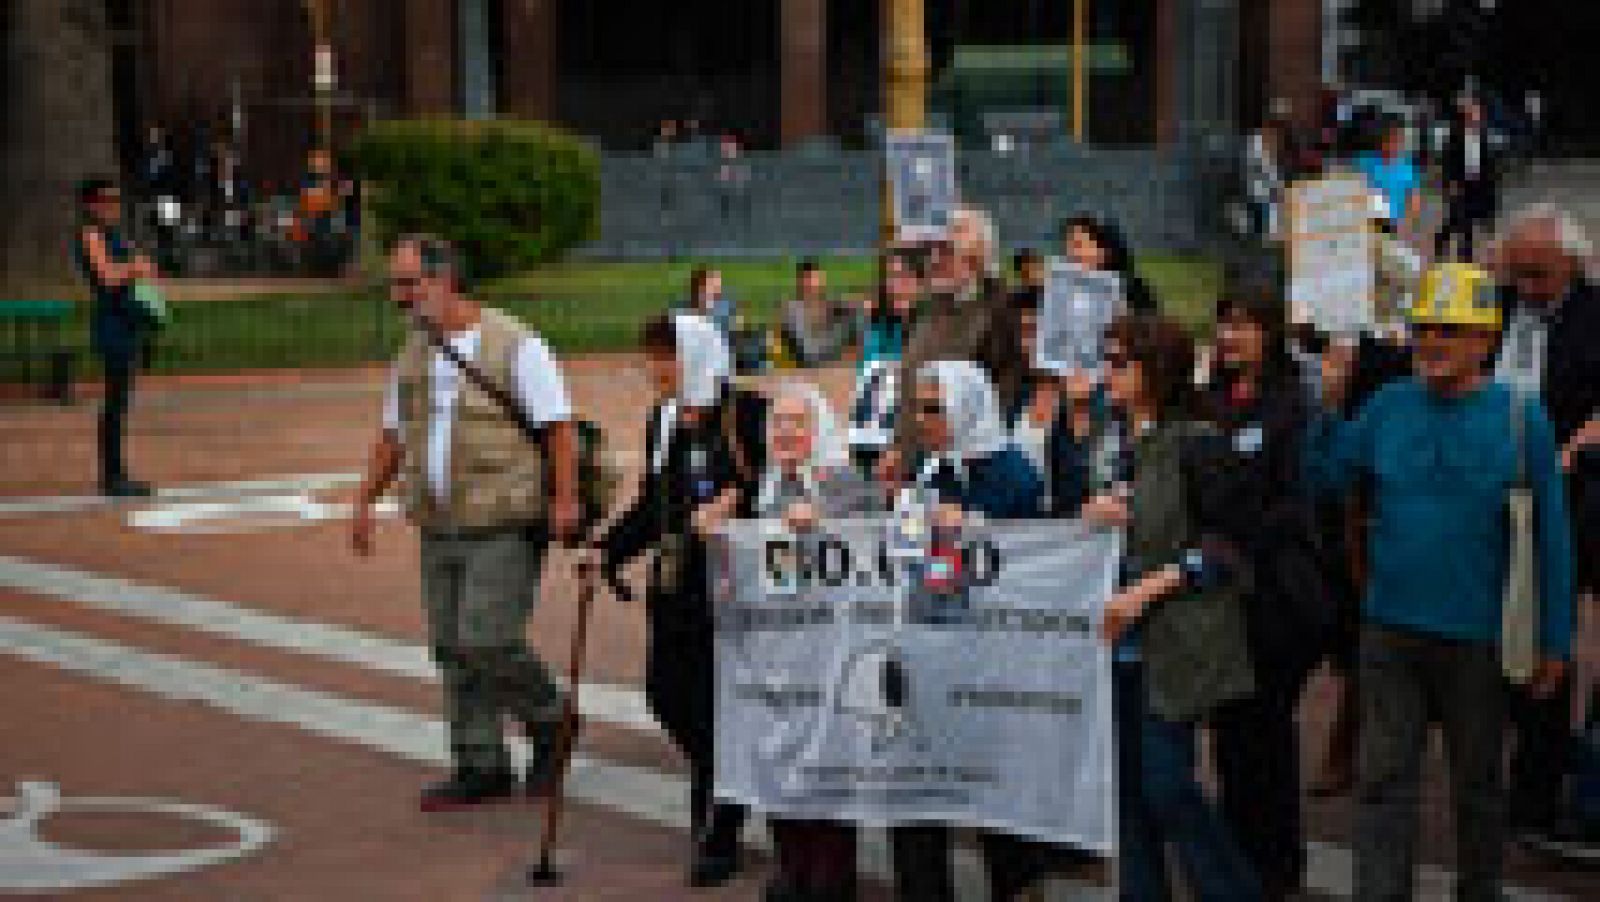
{"x":703,"y":455}
{"x":1551,"y":348}
{"x":1471,"y":181}
{"x":1258,"y":398}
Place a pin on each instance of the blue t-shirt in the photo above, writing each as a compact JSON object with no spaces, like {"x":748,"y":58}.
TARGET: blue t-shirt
{"x":1440,"y":470}
{"x":1398,"y":180}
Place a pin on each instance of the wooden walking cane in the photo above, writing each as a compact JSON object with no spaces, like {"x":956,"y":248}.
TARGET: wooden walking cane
{"x":545,"y":873}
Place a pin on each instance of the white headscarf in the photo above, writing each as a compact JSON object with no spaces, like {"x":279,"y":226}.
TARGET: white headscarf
{"x":829,"y":448}
{"x":704,"y":362}
{"x":971,"y":407}
{"x":704,"y":366}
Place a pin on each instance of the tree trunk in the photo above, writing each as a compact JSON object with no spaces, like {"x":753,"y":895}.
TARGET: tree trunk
{"x":56,"y":129}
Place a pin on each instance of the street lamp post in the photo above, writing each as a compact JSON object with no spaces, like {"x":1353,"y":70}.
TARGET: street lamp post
{"x":905,"y":80}
{"x":322,"y":71}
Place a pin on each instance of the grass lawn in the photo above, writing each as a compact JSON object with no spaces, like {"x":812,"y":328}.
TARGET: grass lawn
{"x":579,"y":307}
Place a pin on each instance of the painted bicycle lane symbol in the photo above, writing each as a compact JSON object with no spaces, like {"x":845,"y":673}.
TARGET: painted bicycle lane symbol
{"x":30,"y":863}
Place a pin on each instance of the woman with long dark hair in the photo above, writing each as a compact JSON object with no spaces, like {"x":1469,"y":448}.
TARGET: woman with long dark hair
{"x":1100,"y":245}
{"x":1257,"y":397}
{"x":118,"y":327}
{"x":1163,"y":476}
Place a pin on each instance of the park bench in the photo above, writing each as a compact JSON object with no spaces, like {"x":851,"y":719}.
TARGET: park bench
{"x":33,"y":337}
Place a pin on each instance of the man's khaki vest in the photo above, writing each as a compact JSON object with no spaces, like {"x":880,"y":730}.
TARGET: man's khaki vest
{"x":496,"y":475}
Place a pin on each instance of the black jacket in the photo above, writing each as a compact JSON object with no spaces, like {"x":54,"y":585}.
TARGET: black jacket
{"x":1274,"y":523}
{"x":732,"y":441}
{"x":1571,"y":397}
{"x":1480,"y":193}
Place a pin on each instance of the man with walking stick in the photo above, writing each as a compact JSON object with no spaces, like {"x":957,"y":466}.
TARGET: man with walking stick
{"x":478,"y":426}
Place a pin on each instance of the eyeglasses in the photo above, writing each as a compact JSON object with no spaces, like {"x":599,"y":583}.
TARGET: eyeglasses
{"x":1533,"y":273}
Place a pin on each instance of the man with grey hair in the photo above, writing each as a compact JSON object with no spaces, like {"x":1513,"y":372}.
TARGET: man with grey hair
{"x":960,"y":318}
{"x":1551,"y":349}
{"x":478,"y":423}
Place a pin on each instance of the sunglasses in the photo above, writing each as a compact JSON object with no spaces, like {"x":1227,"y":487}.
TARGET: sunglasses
{"x":930,"y":409}
{"x":1440,"y":330}
{"x":1117,"y":360}
{"x":405,"y":282}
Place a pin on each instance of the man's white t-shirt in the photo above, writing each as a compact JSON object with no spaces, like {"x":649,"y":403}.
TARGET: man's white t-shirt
{"x":539,"y":387}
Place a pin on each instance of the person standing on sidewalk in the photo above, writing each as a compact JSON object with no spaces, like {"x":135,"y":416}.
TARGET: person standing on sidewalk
{"x":487,"y":500}
{"x":119,"y":328}
{"x":1442,"y":452}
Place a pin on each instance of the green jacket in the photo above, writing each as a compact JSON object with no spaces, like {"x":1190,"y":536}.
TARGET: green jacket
{"x":1193,"y":643}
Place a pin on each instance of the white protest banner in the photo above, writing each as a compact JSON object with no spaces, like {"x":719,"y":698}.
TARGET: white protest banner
{"x":1078,"y":306}
{"x":1332,"y":263}
{"x":862,"y":680}
{"x":922,"y":178}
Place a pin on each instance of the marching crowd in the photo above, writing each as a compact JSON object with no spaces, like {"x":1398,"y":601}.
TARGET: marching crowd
{"x":1287,"y":498}
{"x":1419,"y":511}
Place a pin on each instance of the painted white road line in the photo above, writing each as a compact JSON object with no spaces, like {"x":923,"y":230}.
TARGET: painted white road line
{"x":639,"y":792}
{"x":616,"y":705}
{"x":65,"y":504}
{"x":250,"y":513}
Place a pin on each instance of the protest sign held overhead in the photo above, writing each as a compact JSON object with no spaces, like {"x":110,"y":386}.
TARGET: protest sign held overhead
{"x":1332,"y":279}
{"x":922,"y":176}
{"x":1078,"y":306}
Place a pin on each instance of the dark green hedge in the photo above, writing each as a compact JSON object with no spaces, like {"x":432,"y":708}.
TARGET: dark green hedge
{"x":509,"y":194}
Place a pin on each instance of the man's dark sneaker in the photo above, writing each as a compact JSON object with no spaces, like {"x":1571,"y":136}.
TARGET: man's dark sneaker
{"x":126,"y":488}
{"x":716,"y":851}
{"x":467,"y":788}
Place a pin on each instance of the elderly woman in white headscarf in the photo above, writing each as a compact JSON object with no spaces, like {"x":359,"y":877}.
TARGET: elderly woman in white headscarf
{"x":809,"y":477}
{"x":965,"y":455}
{"x":704,"y":455}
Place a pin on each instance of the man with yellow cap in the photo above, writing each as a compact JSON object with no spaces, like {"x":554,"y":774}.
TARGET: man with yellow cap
{"x":1442,"y":451}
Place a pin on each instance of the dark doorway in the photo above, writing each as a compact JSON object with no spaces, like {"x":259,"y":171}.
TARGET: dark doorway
{"x":622,"y":73}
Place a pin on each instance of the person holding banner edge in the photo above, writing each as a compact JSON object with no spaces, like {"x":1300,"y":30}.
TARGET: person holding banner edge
{"x":1177,"y":625}
{"x":809,"y":477}
{"x":968,"y":461}
{"x":703,"y":452}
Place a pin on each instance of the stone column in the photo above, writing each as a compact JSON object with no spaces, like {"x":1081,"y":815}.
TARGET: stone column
{"x":804,"y":42}
{"x":430,"y":57}
{"x":528,"y":58}
{"x":57,"y":129}
{"x":1166,"y":76}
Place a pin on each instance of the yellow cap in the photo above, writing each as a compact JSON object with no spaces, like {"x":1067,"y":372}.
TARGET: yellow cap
{"x":1459,"y":294}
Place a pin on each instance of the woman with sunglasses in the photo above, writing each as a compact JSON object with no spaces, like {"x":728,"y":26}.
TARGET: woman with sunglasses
{"x":1177,"y":624}
{"x":809,"y":477}
{"x":703,"y":453}
{"x":967,"y":462}
{"x":118,"y":327}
